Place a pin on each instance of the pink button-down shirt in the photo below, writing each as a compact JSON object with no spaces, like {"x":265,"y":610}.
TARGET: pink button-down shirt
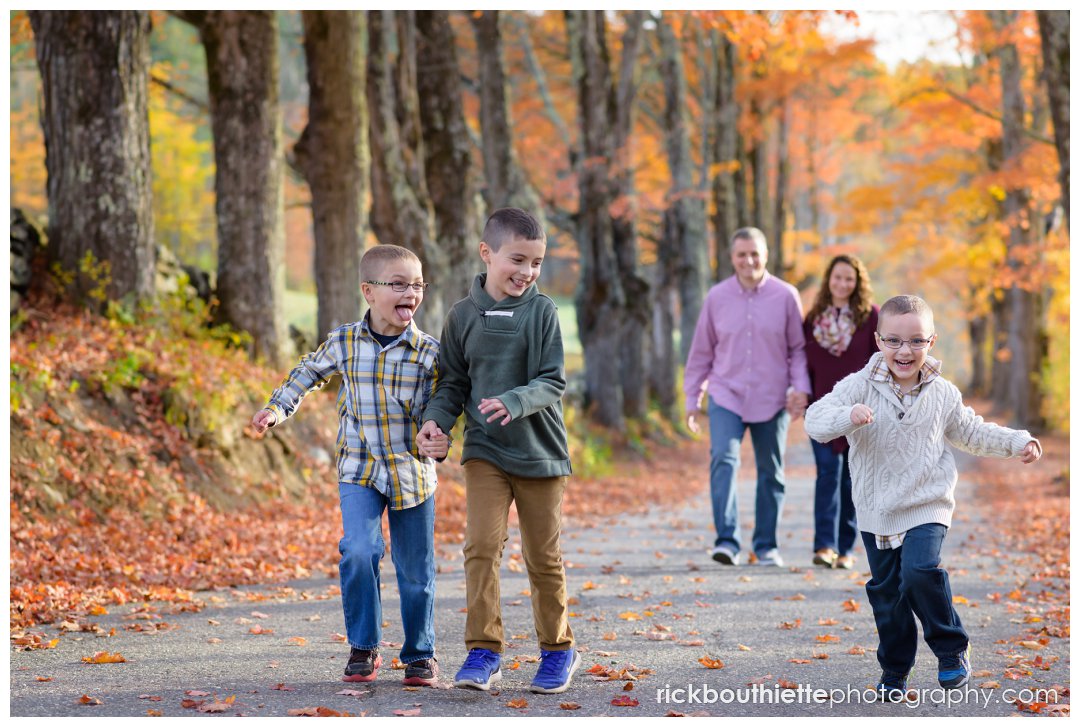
{"x":748,"y":349}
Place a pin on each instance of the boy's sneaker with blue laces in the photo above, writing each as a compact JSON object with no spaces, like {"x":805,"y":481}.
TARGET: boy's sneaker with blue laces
{"x":480,"y":670}
{"x":556,"y":670}
{"x":954,"y":671}
{"x":892,"y":687}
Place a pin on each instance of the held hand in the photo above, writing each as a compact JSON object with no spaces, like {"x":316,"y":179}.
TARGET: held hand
{"x":437,"y":447}
{"x":263,"y":420}
{"x":691,"y":423}
{"x":1031,"y":452}
{"x":496,"y":409}
{"x":796,"y":403}
{"x":862,"y":414}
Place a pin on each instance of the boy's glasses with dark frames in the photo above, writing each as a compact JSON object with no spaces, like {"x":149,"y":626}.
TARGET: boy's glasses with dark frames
{"x":916,"y":344}
{"x":399,"y":286}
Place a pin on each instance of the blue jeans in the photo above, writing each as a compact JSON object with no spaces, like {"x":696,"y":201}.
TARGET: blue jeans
{"x":834,"y":512}
{"x":726,"y":429}
{"x":412,"y":548}
{"x":908,"y":582}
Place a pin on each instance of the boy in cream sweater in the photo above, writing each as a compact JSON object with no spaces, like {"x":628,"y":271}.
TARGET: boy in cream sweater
{"x":897,"y":413}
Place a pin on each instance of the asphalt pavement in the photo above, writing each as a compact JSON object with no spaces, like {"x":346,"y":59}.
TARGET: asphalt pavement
{"x":650,"y":611}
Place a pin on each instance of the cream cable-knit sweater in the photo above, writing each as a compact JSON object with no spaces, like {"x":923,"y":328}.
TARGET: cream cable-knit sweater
{"x":902,"y":474}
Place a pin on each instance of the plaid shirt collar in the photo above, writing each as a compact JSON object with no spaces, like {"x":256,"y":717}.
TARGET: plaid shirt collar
{"x":931,"y":369}
{"x":411,"y":336}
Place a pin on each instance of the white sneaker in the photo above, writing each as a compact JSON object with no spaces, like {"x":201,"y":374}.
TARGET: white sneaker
{"x":724,"y":555}
{"x":770,"y":557}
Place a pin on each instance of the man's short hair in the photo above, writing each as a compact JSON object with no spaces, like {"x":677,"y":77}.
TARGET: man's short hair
{"x":750,"y":233}
{"x":508,"y":224}
{"x":900,"y":305}
{"x":375,"y":259}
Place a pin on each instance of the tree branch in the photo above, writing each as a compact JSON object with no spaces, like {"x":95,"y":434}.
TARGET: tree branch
{"x":956,"y":96}
{"x":180,"y":93}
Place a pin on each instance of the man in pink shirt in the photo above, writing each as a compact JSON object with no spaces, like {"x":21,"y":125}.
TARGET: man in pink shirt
{"x":748,"y":355}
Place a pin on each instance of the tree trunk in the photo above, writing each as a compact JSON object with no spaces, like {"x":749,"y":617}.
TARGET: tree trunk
{"x":778,"y":259}
{"x":1054,"y":31}
{"x":245,"y":115}
{"x":94,"y":71}
{"x":401,"y":209}
{"x":759,"y":164}
{"x":447,"y":157}
{"x":728,"y":179}
{"x":684,"y":237}
{"x":1025,"y":319}
{"x":333,"y":156}
{"x":600,"y":298}
{"x":978,"y":330}
{"x":505,"y":183}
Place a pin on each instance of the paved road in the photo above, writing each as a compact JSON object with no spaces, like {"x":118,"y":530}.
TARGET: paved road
{"x":649,"y":603}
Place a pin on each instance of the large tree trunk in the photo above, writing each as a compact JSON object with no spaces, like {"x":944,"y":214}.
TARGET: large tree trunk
{"x":447,"y":157}
{"x":333,"y":156}
{"x":637,"y":314}
{"x":758,"y":157}
{"x":728,"y":179}
{"x":401,"y":209}
{"x":505,"y":183}
{"x":778,"y":259}
{"x":1026,"y":326}
{"x":245,"y":115}
{"x":1054,"y":31}
{"x":684,"y":237}
{"x":94,"y":70}
{"x":600,"y":297}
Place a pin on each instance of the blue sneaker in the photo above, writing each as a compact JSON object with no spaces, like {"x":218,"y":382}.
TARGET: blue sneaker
{"x":480,"y":670}
{"x":892,"y":687}
{"x":556,"y":669}
{"x":954,"y":672}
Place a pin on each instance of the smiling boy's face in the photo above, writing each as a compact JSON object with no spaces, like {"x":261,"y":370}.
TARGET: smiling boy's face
{"x":904,"y":363}
{"x":513,"y":267}
{"x":392,"y":312}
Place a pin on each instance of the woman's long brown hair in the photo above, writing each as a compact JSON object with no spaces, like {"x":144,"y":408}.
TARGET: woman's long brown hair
{"x":861,"y":300}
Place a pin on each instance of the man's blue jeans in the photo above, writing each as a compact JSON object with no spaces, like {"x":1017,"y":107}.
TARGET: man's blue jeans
{"x":834,"y":512}
{"x":908,"y":582}
{"x":412,"y":548}
{"x":726,"y":429}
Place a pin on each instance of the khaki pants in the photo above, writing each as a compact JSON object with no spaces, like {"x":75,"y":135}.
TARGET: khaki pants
{"x":489,"y":492}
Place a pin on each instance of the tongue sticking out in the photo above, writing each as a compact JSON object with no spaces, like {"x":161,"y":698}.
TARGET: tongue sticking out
{"x":404,"y":312}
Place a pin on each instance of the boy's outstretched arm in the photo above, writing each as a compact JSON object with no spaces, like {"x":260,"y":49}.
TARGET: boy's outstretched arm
{"x":313,"y":371}
{"x":967,"y":431}
{"x":263,"y":420}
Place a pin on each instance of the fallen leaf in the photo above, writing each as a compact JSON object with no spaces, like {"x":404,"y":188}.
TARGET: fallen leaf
{"x":709,"y":663}
{"x":1032,"y":645}
{"x":215,"y":706}
{"x":569,"y":705}
{"x":104,"y":657}
{"x":150,"y":698}
{"x":799,"y":661}
{"x":857,"y":650}
{"x":630,"y":616}
{"x":298,"y":640}
{"x":851,"y":605}
{"x":788,"y":625}
{"x":407,"y":712}
{"x":43,"y":679}
{"x":259,"y":630}
{"x":826,"y":638}
{"x":282,"y":687}
{"x":610,"y":636}
{"x":87,"y":699}
{"x":624,"y":701}
{"x":827,"y":622}
{"x":196,"y":693}
{"x":628,"y":687}
{"x":519,"y":703}
{"x":153,"y":713}
{"x":990,"y":685}
{"x":743,"y":647}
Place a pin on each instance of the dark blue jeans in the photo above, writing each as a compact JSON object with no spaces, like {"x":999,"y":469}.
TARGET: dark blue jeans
{"x":909,"y":582}
{"x":726,"y":429}
{"x":834,"y":512}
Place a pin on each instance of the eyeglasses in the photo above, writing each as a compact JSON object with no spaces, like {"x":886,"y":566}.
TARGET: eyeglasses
{"x":399,"y":286}
{"x":916,"y":344}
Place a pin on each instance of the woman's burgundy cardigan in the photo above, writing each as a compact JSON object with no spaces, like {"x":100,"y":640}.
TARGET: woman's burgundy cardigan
{"x":826,"y":370}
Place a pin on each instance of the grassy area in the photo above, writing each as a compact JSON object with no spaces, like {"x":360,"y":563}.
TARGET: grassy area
{"x":300,"y":311}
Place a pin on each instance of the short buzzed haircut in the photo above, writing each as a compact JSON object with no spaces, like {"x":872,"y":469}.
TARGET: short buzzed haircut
{"x":900,"y":305}
{"x":508,"y":224}
{"x":750,"y":233}
{"x":375,"y":259}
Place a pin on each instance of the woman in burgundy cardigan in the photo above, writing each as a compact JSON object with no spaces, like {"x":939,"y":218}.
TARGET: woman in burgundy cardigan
{"x":839,"y":330}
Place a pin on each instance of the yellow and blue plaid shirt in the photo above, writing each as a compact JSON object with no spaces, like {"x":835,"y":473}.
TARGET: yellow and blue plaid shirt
{"x":383,"y":395}
{"x":929,"y":371}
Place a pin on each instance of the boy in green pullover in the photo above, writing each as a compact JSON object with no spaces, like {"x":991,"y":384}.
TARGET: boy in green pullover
{"x":501,"y":362}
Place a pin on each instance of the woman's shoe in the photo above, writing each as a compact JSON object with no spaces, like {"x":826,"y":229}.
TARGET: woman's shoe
{"x":845,"y":562}
{"x":825,"y":557}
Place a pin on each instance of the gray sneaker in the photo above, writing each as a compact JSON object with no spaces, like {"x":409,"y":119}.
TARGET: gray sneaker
{"x":770,"y":557}
{"x":724,"y":555}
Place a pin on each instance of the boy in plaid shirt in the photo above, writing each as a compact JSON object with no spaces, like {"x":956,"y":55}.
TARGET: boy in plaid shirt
{"x":388,"y":372}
